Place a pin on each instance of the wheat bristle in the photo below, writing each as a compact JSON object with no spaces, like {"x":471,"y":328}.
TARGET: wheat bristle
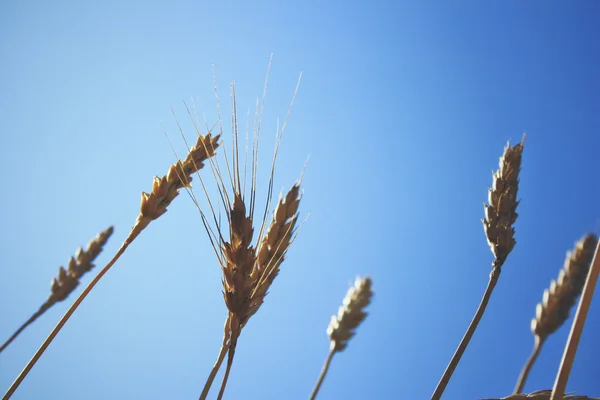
{"x":554,"y":309}
{"x":501,"y":212}
{"x":68,"y":279}
{"x":542,"y":395}
{"x":350,"y":315}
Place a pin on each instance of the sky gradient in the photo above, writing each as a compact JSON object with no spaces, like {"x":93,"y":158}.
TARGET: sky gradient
{"x":404,"y":109}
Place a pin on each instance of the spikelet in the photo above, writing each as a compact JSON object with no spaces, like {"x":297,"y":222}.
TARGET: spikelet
{"x":350,"y":315}
{"x":165,"y":189}
{"x":68,"y":279}
{"x":501,"y":213}
{"x":542,"y":395}
{"x":553,"y":311}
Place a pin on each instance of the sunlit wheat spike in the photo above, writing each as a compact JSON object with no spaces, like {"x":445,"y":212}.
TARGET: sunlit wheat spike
{"x":558,"y":300}
{"x":343,"y":325}
{"x":165,"y":189}
{"x":350,"y":315}
{"x":249,"y":267}
{"x":554,"y":309}
{"x":273,"y":246}
{"x":542,"y":395}
{"x":501,"y":212}
{"x":68,"y":279}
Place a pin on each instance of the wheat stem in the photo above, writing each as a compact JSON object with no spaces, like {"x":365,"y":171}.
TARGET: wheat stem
{"x":566,"y":363}
{"x":530,"y":361}
{"x":214,"y":371}
{"x":323,"y":373}
{"x":31,"y":319}
{"x":494,"y":275}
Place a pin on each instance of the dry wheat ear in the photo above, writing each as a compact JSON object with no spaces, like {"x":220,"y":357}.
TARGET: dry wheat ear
{"x":500,"y":216}
{"x":343,"y":325}
{"x":152,"y":206}
{"x":68,"y":279}
{"x":558,"y":300}
{"x":249,"y":265}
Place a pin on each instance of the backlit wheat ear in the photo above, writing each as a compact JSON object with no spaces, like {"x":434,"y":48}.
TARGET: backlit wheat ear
{"x":558,"y":300}
{"x":542,"y":395}
{"x":247,"y":275}
{"x":68,"y":279}
{"x":500,"y":215}
{"x":343,"y":325}
{"x":152,"y":206}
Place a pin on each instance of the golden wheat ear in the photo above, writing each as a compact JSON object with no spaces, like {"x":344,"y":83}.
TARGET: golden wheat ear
{"x":68,"y":279}
{"x":500,"y":216}
{"x":152,"y":206}
{"x":558,"y":300}
{"x":542,"y":395}
{"x":343,"y":325}
{"x":249,"y":268}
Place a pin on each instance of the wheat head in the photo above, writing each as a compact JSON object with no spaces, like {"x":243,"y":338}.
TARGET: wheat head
{"x":501,"y":212}
{"x":554,"y":309}
{"x":350,"y":315}
{"x":165,"y":189}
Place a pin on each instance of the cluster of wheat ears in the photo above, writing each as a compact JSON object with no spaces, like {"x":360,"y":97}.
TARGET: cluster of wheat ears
{"x":251,"y":258}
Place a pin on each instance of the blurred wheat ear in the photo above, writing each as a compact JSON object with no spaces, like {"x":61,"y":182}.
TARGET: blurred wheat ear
{"x":152,"y":206}
{"x":500,"y":216}
{"x":249,"y":268}
{"x":542,"y":395}
{"x":68,"y":279}
{"x":558,"y":300}
{"x":343,"y":325}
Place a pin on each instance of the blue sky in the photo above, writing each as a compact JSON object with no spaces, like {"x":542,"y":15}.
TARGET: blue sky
{"x":404,"y":110}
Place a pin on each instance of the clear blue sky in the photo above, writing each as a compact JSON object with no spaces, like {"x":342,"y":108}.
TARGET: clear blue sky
{"x":404,"y":110}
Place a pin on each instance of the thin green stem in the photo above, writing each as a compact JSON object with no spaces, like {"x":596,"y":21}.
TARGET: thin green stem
{"x":439,"y":390}
{"x":527,"y":368}
{"x":560,"y":384}
{"x":324,"y":370}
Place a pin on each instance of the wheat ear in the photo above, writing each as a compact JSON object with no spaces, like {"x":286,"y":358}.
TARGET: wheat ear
{"x":343,"y":325}
{"x":152,"y":206}
{"x":500,"y":215}
{"x":558,"y":300}
{"x":68,"y":279}
{"x":570,"y":350}
{"x":248,"y":270}
{"x":542,"y":395}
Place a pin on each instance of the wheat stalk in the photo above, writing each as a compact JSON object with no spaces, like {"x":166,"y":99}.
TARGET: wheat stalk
{"x":558,"y":300}
{"x":68,"y":279}
{"x":343,"y":325}
{"x":152,"y":206}
{"x":500,"y":215}
{"x":542,"y":395}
